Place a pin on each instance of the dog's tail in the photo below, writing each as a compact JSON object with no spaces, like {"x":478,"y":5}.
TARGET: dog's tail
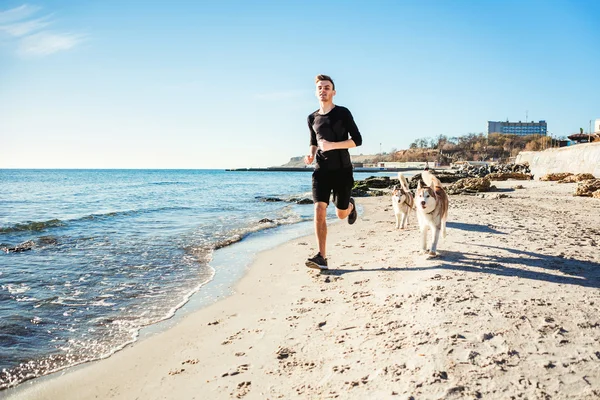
{"x":410,"y":200}
{"x":442,"y":199}
{"x":430,"y":179}
{"x":403,"y":181}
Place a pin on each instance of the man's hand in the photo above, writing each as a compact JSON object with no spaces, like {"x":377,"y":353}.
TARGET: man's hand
{"x":309,"y":159}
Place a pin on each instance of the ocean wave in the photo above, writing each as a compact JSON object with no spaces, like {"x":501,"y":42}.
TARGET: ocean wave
{"x":169,"y":183}
{"x":10,"y":377}
{"x":16,"y":289}
{"x":286,"y":217}
{"x":127,"y":213}
{"x":34,"y":226}
{"x":37,"y":226}
{"x":298,"y":199}
{"x":102,"y":303}
{"x":126,"y":327}
{"x":30,"y":299}
{"x":159,"y":183}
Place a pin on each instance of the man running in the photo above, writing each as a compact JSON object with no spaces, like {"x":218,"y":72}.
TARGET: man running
{"x":332,"y":132}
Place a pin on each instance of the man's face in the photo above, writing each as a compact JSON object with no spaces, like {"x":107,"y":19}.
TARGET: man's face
{"x":325,"y":91}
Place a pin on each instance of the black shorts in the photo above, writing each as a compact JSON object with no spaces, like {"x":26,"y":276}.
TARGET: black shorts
{"x":339,"y":182}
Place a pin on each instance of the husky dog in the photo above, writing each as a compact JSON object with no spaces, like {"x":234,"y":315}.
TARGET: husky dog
{"x":402,"y":202}
{"x":432,"y":210}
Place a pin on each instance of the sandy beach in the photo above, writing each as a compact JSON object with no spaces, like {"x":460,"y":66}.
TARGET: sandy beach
{"x":509,"y":310}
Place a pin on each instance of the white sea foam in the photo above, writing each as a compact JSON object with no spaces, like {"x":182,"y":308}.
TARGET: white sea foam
{"x":16,"y":289}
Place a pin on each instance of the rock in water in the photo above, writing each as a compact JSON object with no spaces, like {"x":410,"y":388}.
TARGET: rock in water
{"x":305,"y":201}
{"x":28,"y":245}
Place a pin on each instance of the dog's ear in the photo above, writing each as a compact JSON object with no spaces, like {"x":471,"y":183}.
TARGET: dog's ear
{"x":419,"y":184}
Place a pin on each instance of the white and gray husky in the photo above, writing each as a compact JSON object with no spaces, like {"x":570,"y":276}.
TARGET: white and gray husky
{"x":402,"y":202}
{"x":432,"y":210}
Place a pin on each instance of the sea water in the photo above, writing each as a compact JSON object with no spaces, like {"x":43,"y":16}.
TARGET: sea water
{"x":113,"y":251}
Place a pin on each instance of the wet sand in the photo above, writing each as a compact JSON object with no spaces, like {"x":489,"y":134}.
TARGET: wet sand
{"x":510,"y":309}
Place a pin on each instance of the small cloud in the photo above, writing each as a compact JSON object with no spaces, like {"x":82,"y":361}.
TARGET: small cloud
{"x":17,"y":14}
{"x":290,"y":94}
{"x":24,"y":28}
{"x":44,"y":43}
{"x":32,"y":39}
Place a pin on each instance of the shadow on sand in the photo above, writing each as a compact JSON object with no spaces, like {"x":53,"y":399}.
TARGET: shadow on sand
{"x":548,"y":268}
{"x":494,"y":260}
{"x":473,"y":228}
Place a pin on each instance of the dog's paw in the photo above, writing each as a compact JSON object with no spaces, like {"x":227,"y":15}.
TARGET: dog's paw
{"x":431,"y":254}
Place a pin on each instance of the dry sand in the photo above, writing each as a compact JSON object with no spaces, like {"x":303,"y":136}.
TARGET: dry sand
{"x":508,"y":310}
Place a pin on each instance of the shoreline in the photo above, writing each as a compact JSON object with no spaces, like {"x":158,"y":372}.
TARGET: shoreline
{"x":513,"y":296}
{"x":232,"y":261}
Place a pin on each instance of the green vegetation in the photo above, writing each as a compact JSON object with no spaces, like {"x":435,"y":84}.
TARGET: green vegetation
{"x":473,"y":146}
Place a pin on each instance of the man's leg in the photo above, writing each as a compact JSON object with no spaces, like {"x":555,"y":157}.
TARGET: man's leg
{"x":321,"y":227}
{"x":341,"y":214}
{"x":321,"y":193}
{"x":342,"y":197}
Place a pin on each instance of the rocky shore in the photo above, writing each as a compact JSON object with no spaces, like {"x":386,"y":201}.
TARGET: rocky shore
{"x":478,"y":179}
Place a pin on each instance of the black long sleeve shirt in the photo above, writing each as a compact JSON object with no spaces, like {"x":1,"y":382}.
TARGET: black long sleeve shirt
{"x":335,"y":126}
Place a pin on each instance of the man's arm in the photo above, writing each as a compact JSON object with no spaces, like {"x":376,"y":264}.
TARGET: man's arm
{"x":346,"y":144}
{"x":312,"y":149}
{"x":355,"y":136}
{"x":353,"y":129}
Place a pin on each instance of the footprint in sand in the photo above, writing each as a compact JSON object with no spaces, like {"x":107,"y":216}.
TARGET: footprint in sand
{"x":176,"y":371}
{"x":236,"y":371}
{"x":243,"y":388}
{"x":284,"y":352}
{"x":340,"y":369}
{"x":231,"y":338}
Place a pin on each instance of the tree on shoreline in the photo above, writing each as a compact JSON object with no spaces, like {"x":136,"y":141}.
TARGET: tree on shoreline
{"x":469,"y":147}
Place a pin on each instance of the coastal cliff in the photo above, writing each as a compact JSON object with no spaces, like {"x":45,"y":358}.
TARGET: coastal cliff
{"x":581,"y":158}
{"x":298,"y":162}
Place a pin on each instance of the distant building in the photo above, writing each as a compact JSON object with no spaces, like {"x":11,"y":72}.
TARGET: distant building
{"x":518,"y":128}
{"x":597,"y":126}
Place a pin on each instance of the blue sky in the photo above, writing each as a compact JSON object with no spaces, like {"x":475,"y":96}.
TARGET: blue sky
{"x":224,"y":84}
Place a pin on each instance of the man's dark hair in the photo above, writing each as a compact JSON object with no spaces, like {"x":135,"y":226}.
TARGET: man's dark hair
{"x":322,"y":77}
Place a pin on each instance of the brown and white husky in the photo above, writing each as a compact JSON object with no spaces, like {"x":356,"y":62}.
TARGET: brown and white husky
{"x":402,"y":202}
{"x":432,"y":210}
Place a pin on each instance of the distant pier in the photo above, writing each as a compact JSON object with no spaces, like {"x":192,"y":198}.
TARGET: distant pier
{"x":285,"y":169}
{"x":310,"y":169}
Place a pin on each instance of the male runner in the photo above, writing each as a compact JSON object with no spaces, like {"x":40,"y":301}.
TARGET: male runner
{"x":332,"y":132}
